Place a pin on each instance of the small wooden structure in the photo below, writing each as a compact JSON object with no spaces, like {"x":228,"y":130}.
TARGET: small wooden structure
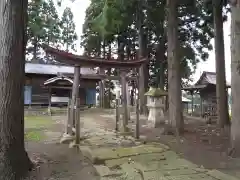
{"x":206,"y":87}
{"x":43,"y":81}
{"x":84,"y":61}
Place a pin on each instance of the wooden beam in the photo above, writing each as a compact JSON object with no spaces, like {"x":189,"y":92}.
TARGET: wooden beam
{"x":73,"y":59}
{"x":116,"y":77}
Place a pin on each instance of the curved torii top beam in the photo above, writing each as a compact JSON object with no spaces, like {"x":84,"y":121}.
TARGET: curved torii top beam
{"x":75,"y":60}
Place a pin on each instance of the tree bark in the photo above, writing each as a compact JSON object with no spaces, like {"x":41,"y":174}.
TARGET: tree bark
{"x":174,"y":75}
{"x":14,"y":161}
{"x":160,"y":57}
{"x":102,"y":82}
{"x":221,"y":89}
{"x":143,"y":70}
{"x":235,"y":76}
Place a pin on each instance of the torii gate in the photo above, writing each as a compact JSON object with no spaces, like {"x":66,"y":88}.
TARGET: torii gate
{"x":84,"y":61}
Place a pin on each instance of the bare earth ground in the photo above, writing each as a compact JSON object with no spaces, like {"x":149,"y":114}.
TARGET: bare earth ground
{"x":201,"y":144}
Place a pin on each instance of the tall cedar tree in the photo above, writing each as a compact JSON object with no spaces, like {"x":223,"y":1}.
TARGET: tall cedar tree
{"x":52,"y":24}
{"x":43,"y":27}
{"x":235,"y":77}
{"x":35,"y":28}
{"x":221,"y":89}
{"x":14,"y":161}
{"x":174,"y":75}
{"x":68,"y":35}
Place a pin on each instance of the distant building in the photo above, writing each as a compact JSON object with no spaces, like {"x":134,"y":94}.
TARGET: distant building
{"x":46,"y":83}
{"x":206,"y":88}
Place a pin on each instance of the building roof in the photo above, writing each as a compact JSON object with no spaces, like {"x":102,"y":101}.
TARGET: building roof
{"x":208,"y":78}
{"x":57,"y":78}
{"x":50,"y":69}
{"x":205,"y":79}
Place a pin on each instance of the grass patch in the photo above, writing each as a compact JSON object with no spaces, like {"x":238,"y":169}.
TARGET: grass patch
{"x":37,"y":121}
{"x":34,"y":127}
{"x":34,"y":135}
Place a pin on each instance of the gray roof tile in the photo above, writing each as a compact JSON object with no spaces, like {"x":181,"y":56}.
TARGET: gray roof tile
{"x":50,"y":69}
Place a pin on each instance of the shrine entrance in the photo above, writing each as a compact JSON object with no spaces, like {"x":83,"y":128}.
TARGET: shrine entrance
{"x":73,"y":120}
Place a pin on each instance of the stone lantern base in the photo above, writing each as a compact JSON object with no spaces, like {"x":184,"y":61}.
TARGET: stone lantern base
{"x":156,"y":107}
{"x":156,"y":117}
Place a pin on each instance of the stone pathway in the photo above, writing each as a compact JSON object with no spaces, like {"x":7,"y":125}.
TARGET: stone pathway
{"x":119,"y":157}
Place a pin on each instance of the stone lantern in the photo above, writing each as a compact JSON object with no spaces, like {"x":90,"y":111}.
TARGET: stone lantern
{"x":156,"y":105}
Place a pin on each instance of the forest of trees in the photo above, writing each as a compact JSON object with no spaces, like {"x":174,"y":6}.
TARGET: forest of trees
{"x":174,"y":35}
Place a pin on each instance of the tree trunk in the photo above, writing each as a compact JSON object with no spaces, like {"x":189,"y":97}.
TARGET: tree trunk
{"x":160,"y":57}
{"x":235,"y":73}
{"x":221,"y":89}
{"x":102,"y":83}
{"x":109,"y":74}
{"x":14,"y":161}
{"x":174,"y":77}
{"x":142,"y":41}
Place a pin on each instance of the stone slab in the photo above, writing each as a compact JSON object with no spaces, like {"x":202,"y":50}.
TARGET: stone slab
{"x":115,"y":153}
{"x":220,"y":176}
{"x":66,"y":139}
{"x":102,"y":170}
{"x":190,"y":177}
{"x":132,"y":172}
{"x":151,"y":161}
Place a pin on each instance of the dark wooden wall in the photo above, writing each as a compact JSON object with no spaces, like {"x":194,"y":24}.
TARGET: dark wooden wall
{"x":40,"y":93}
{"x":209,"y":99}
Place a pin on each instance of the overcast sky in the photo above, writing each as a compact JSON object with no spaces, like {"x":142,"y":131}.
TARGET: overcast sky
{"x":79,"y":7}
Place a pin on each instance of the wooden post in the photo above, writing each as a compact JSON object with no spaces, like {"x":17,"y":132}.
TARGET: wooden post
{"x":100,"y":94}
{"x":117,"y":114}
{"x":117,"y":107}
{"x":77,"y":120}
{"x":192,"y":103}
{"x":201,"y":106}
{"x":67,"y":125}
{"x":49,"y":100}
{"x":128,"y":101}
{"x":75,"y":94}
{"x":124,"y":102}
{"x":137,"y":113}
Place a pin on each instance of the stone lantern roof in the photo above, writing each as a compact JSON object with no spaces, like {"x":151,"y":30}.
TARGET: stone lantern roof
{"x":156,"y":92}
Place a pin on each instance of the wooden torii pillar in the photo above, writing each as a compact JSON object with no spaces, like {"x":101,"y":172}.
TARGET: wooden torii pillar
{"x":124,"y":102}
{"x":74,"y":99}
